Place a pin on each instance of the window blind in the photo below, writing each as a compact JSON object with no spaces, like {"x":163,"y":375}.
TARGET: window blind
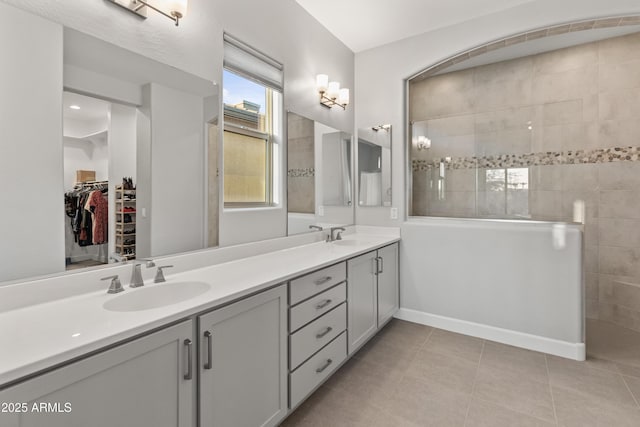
{"x":248,"y":62}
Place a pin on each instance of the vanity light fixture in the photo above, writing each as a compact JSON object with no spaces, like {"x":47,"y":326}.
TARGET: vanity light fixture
{"x":330,"y":92}
{"x":173,"y":9}
{"x":74,"y":107}
{"x":423,"y":143}
{"x":381,"y":127}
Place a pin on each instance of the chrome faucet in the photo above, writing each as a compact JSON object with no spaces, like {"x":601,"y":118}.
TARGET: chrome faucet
{"x":115,"y":285}
{"x":117,"y":257}
{"x":316,"y":227}
{"x":136,"y":275}
{"x":160,"y":275}
{"x":332,"y":236}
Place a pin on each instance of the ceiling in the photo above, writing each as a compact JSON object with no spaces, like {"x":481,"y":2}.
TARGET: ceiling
{"x":90,"y":108}
{"x":365,"y":24}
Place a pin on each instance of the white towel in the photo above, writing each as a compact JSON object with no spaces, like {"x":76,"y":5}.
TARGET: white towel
{"x":370,"y":189}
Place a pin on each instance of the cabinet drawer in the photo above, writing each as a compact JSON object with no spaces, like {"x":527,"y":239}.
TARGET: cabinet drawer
{"x":316,"y":335}
{"x":313,"y":283}
{"x":309,"y":310}
{"x":317,"y":369}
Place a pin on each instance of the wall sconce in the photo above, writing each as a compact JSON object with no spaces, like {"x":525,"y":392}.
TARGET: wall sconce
{"x":423,"y":143}
{"x":381,"y":127}
{"x":330,"y":92}
{"x":176,"y":9}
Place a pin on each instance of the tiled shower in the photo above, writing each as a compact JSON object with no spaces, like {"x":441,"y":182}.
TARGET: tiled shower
{"x":526,"y":139}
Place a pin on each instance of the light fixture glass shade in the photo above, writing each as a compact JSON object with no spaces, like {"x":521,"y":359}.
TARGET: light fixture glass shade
{"x":334,"y":90}
{"x":178,"y":6}
{"x":343,"y":99}
{"x":322,"y":82}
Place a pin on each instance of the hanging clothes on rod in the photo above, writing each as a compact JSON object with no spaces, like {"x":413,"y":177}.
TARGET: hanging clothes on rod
{"x":87,"y":206}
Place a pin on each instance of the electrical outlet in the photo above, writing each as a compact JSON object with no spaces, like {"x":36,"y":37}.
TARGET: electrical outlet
{"x":394,"y":213}
{"x":320,"y":210}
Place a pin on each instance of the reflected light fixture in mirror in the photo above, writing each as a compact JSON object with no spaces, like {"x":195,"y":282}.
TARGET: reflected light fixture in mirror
{"x":422,"y":143}
{"x":330,"y":92}
{"x":172,"y":9}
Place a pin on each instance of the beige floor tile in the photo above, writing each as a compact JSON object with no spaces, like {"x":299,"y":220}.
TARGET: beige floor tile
{"x":530,"y":364}
{"x":484,"y":414}
{"x":391,"y":356}
{"x":427,"y":404}
{"x":582,"y":410}
{"x":512,"y":390}
{"x":631,"y":371}
{"x":402,"y":333}
{"x":611,"y":342}
{"x":634,"y":386}
{"x":444,"y":370}
{"x":585,"y":379}
{"x":459,"y":345}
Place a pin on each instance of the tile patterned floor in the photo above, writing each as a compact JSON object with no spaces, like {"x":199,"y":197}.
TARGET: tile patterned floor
{"x":414,"y":375}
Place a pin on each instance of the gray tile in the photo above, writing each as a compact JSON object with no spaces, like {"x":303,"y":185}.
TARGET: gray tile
{"x":623,"y":291}
{"x":450,"y":343}
{"x":444,"y":370}
{"x":528,"y":364}
{"x":619,"y":232}
{"x":403,"y":333}
{"x":575,"y":409}
{"x":484,"y":414}
{"x":619,"y":261}
{"x":634,"y":386}
{"x":391,"y":356}
{"x":584,"y":378}
{"x":427,"y":405}
{"x":515,"y":392}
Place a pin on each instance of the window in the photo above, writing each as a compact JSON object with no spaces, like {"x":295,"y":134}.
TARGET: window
{"x":252,"y":97}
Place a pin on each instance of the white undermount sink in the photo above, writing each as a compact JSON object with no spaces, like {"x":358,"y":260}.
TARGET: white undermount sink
{"x":156,"y":295}
{"x":351,"y":242}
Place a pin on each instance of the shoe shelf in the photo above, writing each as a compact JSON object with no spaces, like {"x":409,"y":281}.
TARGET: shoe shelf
{"x":125,"y":209}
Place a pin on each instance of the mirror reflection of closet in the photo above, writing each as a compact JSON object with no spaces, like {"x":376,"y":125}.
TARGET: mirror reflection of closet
{"x":99,"y":147}
{"x":374,"y":166}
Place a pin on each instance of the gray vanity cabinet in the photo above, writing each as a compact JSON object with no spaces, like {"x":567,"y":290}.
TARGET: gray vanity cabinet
{"x":388,"y":283}
{"x":372,"y":293}
{"x":243,"y":362}
{"x":122,"y":386}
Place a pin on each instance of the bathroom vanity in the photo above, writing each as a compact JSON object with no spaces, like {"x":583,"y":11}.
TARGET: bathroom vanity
{"x":262,"y":334}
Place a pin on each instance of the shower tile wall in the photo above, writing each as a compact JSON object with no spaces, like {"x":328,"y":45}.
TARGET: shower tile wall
{"x":526,"y":138}
{"x":301,"y":172}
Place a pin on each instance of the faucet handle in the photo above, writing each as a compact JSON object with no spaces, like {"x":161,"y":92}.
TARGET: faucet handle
{"x":160,"y":275}
{"x":149,"y":262}
{"x":115,"y":285}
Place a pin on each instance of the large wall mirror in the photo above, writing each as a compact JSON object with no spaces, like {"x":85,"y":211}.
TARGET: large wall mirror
{"x":319,"y":177}
{"x":374,"y":166}
{"x":125,"y":176}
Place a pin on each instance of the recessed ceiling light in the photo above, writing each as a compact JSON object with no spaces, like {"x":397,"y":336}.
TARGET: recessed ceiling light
{"x":74,"y":107}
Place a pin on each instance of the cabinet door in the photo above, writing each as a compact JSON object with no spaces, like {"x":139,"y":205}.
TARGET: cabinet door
{"x":243,"y":369}
{"x":362,"y":299}
{"x":141,"y":383}
{"x":388,"y":291}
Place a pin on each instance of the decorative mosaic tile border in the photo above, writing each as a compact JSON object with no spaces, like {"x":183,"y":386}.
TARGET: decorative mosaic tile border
{"x":301,"y":173}
{"x":531,"y":35}
{"x":601,"y":155}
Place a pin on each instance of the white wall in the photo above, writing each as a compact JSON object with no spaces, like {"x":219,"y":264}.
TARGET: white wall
{"x":380,"y":72}
{"x":122,"y":157}
{"x":31,"y":238}
{"x":279,"y":28}
{"x":177,"y":171}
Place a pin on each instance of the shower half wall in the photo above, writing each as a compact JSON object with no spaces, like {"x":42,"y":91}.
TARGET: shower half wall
{"x":528,"y":137}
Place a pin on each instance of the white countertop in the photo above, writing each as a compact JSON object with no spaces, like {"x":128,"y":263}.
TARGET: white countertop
{"x":42,"y":336}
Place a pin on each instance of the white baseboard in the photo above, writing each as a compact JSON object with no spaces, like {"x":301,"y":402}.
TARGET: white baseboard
{"x":575,"y":351}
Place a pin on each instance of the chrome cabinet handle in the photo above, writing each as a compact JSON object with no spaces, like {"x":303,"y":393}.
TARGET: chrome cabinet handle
{"x":381,"y":265}
{"x":323,"y":280}
{"x":325,"y":366}
{"x":376,"y":267}
{"x":323,"y":304}
{"x":325,"y":332}
{"x":188,"y":344}
{"x":209,"y":338}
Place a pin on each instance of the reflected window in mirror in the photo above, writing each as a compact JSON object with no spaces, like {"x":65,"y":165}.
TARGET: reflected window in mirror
{"x":252,"y":98}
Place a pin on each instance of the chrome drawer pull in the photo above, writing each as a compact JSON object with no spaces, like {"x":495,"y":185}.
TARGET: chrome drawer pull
{"x":323,"y":304}
{"x":381,"y":265}
{"x":325,"y":332}
{"x":325,"y":366}
{"x":323,"y":280}
{"x":209,"y":339}
{"x":188,"y":344}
